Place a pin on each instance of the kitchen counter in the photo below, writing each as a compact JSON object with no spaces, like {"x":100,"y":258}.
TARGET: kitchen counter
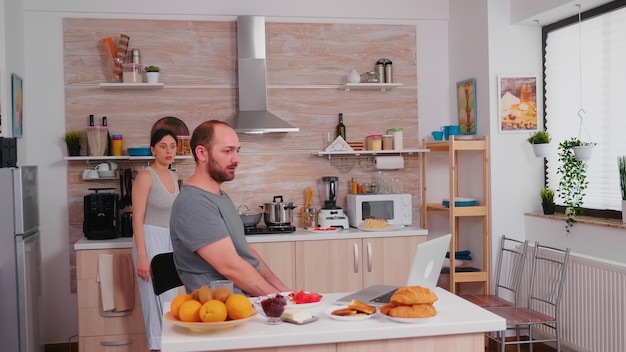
{"x":459,"y":326}
{"x":299,"y":235}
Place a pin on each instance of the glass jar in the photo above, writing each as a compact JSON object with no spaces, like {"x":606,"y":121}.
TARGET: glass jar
{"x":374,"y":142}
{"x":387,"y":142}
{"x":398,"y":139}
{"x":309,"y":218}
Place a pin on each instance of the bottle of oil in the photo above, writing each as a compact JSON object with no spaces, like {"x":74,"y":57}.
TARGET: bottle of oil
{"x":340,"y":130}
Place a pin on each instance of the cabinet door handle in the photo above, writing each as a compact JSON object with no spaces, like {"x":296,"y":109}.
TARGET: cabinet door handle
{"x":356,"y":258}
{"x":369,"y":257}
{"x":116,"y":343}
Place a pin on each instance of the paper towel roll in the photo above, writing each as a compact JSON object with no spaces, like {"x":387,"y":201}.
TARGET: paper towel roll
{"x":389,"y":162}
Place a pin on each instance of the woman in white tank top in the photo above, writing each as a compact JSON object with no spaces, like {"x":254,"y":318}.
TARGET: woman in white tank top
{"x":153,"y":193}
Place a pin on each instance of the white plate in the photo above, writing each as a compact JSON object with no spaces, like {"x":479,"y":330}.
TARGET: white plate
{"x":197,"y":326}
{"x":324,"y":229}
{"x":388,"y":228}
{"x":329,"y":311}
{"x":410,"y":320}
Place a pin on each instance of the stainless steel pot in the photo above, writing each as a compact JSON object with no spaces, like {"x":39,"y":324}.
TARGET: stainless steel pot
{"x":278,"y":212}
{"x":249,"y":218}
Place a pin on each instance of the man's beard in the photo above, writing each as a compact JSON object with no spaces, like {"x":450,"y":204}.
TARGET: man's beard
{"x":218,"y":174}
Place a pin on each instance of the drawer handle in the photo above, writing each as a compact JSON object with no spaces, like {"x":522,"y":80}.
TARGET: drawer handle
{"x":116,"y":343}
{"x":356,"y":258}
{"x":116,"y":314}
{"x":369,"y":257}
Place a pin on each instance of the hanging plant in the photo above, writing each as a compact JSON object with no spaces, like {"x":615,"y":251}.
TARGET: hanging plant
{"x":621,"y":165}
{"x":573,"y":181}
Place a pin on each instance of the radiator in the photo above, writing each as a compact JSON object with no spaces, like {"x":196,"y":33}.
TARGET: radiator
{"x":593,"y":305}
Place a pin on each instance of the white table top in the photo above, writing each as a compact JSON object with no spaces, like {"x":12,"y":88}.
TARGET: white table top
{"x":455,"y":316}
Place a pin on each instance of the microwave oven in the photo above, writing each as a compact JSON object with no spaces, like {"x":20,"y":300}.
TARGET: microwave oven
{"x":397,"y":208}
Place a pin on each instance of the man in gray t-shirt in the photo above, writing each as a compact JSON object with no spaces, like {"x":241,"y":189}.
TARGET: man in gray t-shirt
{"x":206,"y":230}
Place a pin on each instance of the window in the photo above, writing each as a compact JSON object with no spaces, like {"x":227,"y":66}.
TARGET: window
{"x":585,"y":68}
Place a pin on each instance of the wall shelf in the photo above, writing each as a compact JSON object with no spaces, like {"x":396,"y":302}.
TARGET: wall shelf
{"x":344,"y":161}
{"x":123,"y":157}
{"x":134,"y":86}
{"x":370,"y":86}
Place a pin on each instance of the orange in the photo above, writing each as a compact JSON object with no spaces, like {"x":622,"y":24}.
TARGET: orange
{"x":238,"y":306}
{"x":213,"y":311}
{"x":190,"y":311}
{"x":221,"y":293}
{"x":176,"y":303}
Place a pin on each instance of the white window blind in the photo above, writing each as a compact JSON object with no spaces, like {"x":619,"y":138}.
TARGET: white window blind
{"x":595,"y":81}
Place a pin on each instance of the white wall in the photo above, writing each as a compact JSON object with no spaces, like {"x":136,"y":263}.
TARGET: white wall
{"x":44,"y":105}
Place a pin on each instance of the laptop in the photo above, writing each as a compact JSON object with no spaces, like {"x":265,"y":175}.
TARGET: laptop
{"x":424,"y":272}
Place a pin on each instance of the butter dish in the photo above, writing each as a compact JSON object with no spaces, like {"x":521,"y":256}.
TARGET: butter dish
{"x":300,"y":322}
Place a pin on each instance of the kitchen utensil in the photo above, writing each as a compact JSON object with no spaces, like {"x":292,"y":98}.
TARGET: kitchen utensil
{"x":139,"y":151}
{"x":249,"y":218}
{"x":278,"y":212}
{"x":103,"y":167}
{"x":305,"y":211}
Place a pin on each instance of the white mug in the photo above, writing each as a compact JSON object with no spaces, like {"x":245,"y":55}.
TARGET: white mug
{"x":90,"y":174}
{"x":112,"y":166}
{"x":103,"y":167}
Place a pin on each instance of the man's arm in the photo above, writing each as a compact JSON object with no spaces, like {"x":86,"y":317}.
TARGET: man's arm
{"x":225,"y":259}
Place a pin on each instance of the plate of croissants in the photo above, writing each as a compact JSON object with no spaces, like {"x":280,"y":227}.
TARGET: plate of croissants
{"x":411,"y":304}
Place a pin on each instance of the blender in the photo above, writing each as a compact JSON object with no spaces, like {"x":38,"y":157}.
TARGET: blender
{"x":331,"y":215}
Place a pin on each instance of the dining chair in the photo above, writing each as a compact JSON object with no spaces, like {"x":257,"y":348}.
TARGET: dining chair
{"x":164,"y":276}
{"x":509,"y":270}
{"x":549,"y":268}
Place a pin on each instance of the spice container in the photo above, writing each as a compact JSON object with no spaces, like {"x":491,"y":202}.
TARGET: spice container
{"x":387,"y":142}
{"x":353,"y":186}
{"x":309,"y":218}
{"x":397,"y":133}
{"x":374,"y":142}
{"x":117,"y":144}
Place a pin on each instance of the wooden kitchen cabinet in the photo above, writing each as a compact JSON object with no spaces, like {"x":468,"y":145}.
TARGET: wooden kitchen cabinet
{"x":280,"y":257}
{"x":344,"y":265}
{"x":100,"y":332}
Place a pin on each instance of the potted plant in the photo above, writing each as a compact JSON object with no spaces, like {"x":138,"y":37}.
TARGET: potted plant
{"x":540,"y":142}
{"x":621,"y":165}
{"x":547,"y":200}
{"x":72,"y":140}
{"x":152,"y":73}
{"x":573,"y":182}
{"x":582,"y":150}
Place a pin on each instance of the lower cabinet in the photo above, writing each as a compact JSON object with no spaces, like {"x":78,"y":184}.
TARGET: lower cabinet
{"x":280,"y":257}
{"x":345,"y":265}
{"x":103,"y":331}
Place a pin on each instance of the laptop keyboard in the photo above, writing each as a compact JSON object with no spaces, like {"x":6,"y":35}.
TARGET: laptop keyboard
{"x":384,"y":298}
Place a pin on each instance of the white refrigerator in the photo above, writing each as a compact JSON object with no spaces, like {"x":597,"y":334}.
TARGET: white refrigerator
{"x":20,"y":260}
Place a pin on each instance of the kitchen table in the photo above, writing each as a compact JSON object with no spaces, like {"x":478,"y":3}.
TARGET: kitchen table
{"x":459,"y":326}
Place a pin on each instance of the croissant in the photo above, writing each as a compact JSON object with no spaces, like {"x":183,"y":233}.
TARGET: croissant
{"x":412,"y":311}
{"x":411,"y":295}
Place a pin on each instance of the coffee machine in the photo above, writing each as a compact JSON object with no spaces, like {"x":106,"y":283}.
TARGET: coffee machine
{"x":331,"y":215}
{"x":101,"y":215}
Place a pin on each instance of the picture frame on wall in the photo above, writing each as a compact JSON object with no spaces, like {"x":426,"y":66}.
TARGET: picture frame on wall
{"x":466,"y":105}
{"x":517,"y":104}
{"x":17,"y":92}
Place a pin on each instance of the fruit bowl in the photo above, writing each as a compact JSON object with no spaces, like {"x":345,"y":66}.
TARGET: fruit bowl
{"x":198,"y":326}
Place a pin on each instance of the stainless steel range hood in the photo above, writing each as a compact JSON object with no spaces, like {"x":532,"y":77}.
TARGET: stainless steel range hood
{"x":253,"y":117}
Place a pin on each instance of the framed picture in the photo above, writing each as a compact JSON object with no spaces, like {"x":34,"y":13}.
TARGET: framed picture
{"x":18,"y":101}
{"x":517,"y":104}
{"x":466,"y":105}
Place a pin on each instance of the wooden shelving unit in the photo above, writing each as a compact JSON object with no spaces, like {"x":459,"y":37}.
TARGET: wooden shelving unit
{"x":455,"y":149}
